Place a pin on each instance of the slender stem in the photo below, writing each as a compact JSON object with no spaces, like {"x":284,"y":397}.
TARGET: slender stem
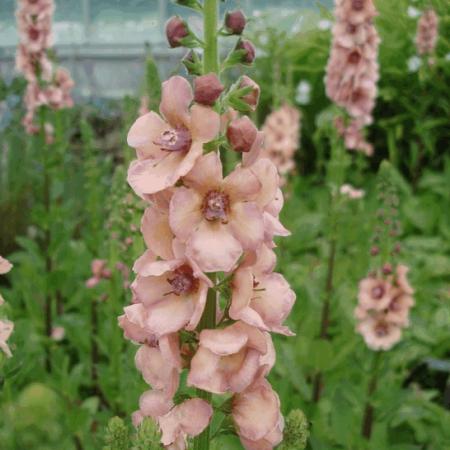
{"x":369,"y":411}
{"x":210,"y":21}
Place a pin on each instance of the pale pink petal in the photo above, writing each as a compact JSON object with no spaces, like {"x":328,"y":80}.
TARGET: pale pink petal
{"x":199,"y":300}
{"x":149,"y":290}
{"x":256,"y":411}
{"x":154,"y":404}
{"x":204,"y":372}
{"x":157,"y":233}
{"x":145,"y":266}
{"x":206,"y":173}
{"x":6,"y":329}
{"x":254,"y":154}
{"x":5,"y":266}
{"x":205,"y":123}
{"x":241,"y":185}
{"x":267,"y":174}
{"x":244,"y":377}
{"x":273,"y":227}
{"x":144,"y":132}
{"x":170,"y":349}
{"x":224,"y":341}
{"x":169,"y":314}
{"x":213,"y":247}
{"x":148,"y":176}
{"x":247,"y":225}
{"x":176,"y":98}
{"x":185,"y":212}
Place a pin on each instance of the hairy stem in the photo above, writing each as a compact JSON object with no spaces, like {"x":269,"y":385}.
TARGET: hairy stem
{"x":369,"y":411}
{"x":210,"y":64}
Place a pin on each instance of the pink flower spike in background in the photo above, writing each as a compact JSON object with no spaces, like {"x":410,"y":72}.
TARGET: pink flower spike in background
{"x":427,"y":32}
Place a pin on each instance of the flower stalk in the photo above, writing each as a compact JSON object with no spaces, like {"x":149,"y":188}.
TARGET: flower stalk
{"x":369,"y":411}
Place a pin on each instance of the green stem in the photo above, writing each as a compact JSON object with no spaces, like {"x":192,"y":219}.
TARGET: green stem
{"x":210,"y":64}
{"x":369,"y":411}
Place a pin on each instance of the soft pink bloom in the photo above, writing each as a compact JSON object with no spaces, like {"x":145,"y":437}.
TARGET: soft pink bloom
{"x":230,"y":359}
{"x":133,"y":323}
{"x":58,"y":333}
{"x":427,"y":32}
{"x":187,"y":419}
{"x":398,"y":309}
{"x":168,"y":149}
{"x":154,"y":404}
{"x":253,"y":297}
{"x":282,"y":138}
{"x":402,"y":279}
{"x":378,"y":333}
{"x":217,"y":218}
{"x":355,"y":11}
{"x":5,"y":266}
{"x":6,"y":329}
{"x":256,"y":414}
{"x":172,"y":292}
{"x":160,"y":365}
{"x":374,"y":293}
{"x":351,"y":192}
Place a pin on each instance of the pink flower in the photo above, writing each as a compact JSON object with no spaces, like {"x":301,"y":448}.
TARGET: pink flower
{"x":172,"y":292}
{"x":374,"y":293}
{"x":253,"y":297}
{"x":427,"y":32}
{"x":230,"y":359}
{"x":5,"y":266}
{"x":6,"y":329}
{"x":351,"y":192}
{"x":168,"y":149}
{"x":256,"y":414}
{"x":58,"y":333}
{"x":161,"y":365}
{"x":154,"y":404}
{"x":217,"y":218}
{"x":378,"y":333}
{"x":189,"y":418}
{"x":133,"y":323}
{"x":398,"y":309}
{"x":402,"y":279}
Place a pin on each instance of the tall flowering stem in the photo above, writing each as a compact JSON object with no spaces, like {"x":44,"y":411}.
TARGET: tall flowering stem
{"x":206,"y":298}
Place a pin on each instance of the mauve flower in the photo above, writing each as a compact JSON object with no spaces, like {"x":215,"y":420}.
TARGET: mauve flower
{"x":133,"y":324}
{"x":427,"y":32}
{"x":154,"y":404}
{"x":398,"y":309}
{"x":257,"y":417}
{"x":230,"y":359}
{"x":5,"y":266}
{"x":217,"y":218}
{"x":172,"y":292}
{"x":207,"y":89}
{"x":353,"y":136}
{"x":374,"y":293}
{"x":161,"y":365}
{"x":253,"y":294}
{"x":241,"y":134}
{"x":189,"y":418}
{"x":355,"y":11}
{"x":378,"y":333}
{"x":282,"y":138}
{"x":6,"y":329}
{"x":58,"y":333}
{"x":167,"y":149}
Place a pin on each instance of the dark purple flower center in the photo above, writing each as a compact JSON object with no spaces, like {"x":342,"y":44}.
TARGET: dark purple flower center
{"x":175,"y":140}
{"x":358,"y":5}
{"x":215,"y":206}
{"x":354,"y":57}
{"x":33,"y":33}
{"x":183,"y":281}
{"x":377,"y":292}
{"x":381,"y":329}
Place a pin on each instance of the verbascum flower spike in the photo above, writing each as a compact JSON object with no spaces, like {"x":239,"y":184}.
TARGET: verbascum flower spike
{"x":352,"y":71}
{"x":427,"y":32}
{"x":205,"y":298}
{"x":6,"y":326}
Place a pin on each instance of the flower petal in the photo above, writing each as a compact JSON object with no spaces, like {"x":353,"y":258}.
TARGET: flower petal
{"x":224,"y":341}
{"x":204,"y":372}
{"x":206,"y":174}
{"x":149,"y":290}
{"x":205,"y":123}
{"x":213,"y":247}
{"x":157,"y":233}
{"x":176,"y":97}
{"x":247,"y":225}
{"x":154,"y":404}
{"x":242,"y":185}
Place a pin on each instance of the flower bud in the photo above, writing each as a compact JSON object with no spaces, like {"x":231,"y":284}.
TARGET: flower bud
{"x":207,"y":89}
{"x":374,"y":251}
{"x":387,"y":269}
{"x":249,"y":51}
{"x":176,"y":30}
{"x":193,"y":63}
{"x":241,"y":134}
{"x":235,"y":22}
{"x":252,"y":98}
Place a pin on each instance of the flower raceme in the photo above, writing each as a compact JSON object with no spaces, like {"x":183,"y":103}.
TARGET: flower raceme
{"x":427,"y":32}
{"x":207,"y":235}
{"x":383,"y":308}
